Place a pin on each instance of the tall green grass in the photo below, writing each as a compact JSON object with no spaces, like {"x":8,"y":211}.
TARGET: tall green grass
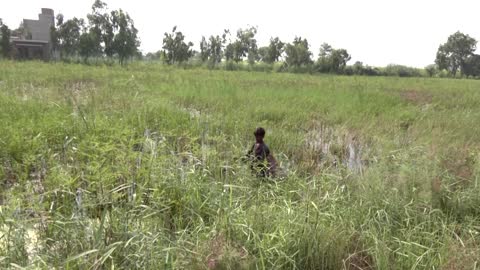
{"x":137,"y":167}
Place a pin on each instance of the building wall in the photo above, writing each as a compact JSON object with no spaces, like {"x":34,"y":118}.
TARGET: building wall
{"x":40,"y":29}
{"x":37,"y":42}
{"x":32,"y":51}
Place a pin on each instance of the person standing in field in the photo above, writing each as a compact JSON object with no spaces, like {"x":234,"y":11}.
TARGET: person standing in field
{"x":263,"y":163}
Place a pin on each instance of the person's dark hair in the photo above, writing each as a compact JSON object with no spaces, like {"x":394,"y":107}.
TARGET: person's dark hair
{"x":259,"y":132}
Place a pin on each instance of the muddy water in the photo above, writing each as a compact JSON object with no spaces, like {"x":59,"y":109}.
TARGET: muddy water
{"x":33,"y":221}
{"x":354,"y":158}
{"x":337,"y":147}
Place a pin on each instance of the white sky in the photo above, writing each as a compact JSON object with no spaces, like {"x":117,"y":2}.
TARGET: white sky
{"x":376,"y":32}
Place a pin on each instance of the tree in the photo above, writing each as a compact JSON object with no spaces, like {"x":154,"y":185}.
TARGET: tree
{"x":431,"y":70}
{"x":245,"y":45}
{"x":125,"y":41}
{"x":55,"y":42}
{"x":175,"y":48}
{"x":298,"y":53}
{"x":262,"y":53}
{"x":332,"y":60}
{"x":453,"y":54}
{"x":340,"y":58}
{"x":21,"y":32}
{"x":90,"y":41}
{"x":88,"y":44}
{"x":212,"y":50}
{"x":93,"y":36}
{"x":472,"y":66}
{"x":325,"y":50}
{"x":69,"y":36}
{"x":271,"y":53}
{"x":216,"y":45}
{"x":153,"y":55}
{"x":358,"y":68}
{"x":5,"y":46}
{"x":101,"y":27}
{"x":238,"y":51}
{"x":204,"y":50}
{"x":323,"y":62}
{"x":59,"y":19}
{"x":229,"y":52}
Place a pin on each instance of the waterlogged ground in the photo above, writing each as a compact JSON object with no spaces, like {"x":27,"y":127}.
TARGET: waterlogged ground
{"x":140,"y":167}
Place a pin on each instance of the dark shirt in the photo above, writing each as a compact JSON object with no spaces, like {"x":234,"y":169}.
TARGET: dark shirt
{"x":259,"y":154}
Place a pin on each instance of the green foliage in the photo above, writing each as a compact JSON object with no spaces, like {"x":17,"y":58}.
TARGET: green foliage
{"x":472,"y":66}
{"x":272,"y":52}
{"x":22,"y":32}
{"x":204,"y":49}
{"x":153,"y":55}
{"x":245,"y":45}
{"x":453,"y":54}
{"x":68,"y":35}
{"x":431,"y":70}
{"x":332,"y":60}
{"x":5,"y":47}
{"x":297,"y":54}
{"x":401,"y":71}
{"x":229,"y":52}
{"x":211,"y":51}
{"x":87,"y":45}
{"x":176,"y":51}
{"x":110,"y":34}
{"x":101,"y":29}
{"x":125,"y":41}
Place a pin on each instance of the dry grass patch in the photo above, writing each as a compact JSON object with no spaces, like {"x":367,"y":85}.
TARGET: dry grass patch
{"x":416,"y":97}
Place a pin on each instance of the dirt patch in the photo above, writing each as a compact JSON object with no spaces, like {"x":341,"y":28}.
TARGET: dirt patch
{"x":37,"y":176}
{"x":460,"y":163}
{"x":79,"y":93}
{"x":81,"y":83}
{"x":222,"y":253}
{"x":9,"y":174}
{"x":81,"y":88}
{"x":416,"y":97}
{"x":358,"y":258}
{"x":462,"y":256}
{"x":10,"y":179}
{"x":28,"y":91}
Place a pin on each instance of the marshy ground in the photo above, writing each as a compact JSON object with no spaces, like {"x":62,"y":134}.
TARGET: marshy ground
{"x":137,"y":167}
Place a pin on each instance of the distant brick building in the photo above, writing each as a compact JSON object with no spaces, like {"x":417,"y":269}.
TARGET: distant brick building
{"x":35,"y":42}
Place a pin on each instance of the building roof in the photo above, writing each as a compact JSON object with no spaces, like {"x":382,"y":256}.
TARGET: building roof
{"x":26,"y":41}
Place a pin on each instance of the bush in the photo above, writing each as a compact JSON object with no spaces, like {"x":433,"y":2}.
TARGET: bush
{"x":231,"y":65}
{"x":431,"y":70}
{"x":401,"y":71}
{"x":371,"y":71}
{"x":261,"y":67}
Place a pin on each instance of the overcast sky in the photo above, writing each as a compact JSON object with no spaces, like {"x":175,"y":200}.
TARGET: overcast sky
{"x":376,"y":32}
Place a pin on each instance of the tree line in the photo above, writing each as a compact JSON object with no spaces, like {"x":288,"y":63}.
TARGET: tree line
{"x":243,"y":47}
{"x":112,"y":35}
{"x":105,"y":34}
{"x":454,"y":58}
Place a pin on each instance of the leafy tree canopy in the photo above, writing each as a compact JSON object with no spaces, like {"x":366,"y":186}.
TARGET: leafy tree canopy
{"x":176,"y":50}
{"x":453,"y":54}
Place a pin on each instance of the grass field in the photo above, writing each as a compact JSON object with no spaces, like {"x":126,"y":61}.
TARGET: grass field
{"x":137,"y":167}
